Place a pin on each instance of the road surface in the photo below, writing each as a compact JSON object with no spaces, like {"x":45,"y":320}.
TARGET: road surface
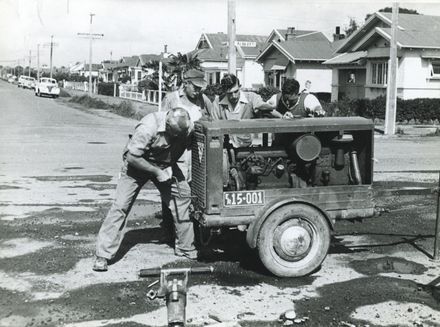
{"x":58,"y":170}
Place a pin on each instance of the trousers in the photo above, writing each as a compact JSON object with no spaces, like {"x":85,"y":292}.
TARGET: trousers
{"x":174,"y":195}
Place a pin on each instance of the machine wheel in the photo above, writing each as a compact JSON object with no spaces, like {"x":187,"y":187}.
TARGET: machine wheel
{"x":294,"y":240}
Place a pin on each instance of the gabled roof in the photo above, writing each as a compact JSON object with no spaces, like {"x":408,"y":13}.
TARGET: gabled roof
{"x":219,"y":55}
{"x":280,"y":34}
{"x":346,"y":58}
{"x":315,"y":48}
{"x":220,"y":39}
{"x":147,"y":58}
{"x":109,"y":64}
{"x":248,"y":46}
{"x":95,"y":67}
{"x":131,"y":61}
{"x":414,"y":31}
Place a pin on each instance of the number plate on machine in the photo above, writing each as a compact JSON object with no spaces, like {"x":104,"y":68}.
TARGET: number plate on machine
{"x":243,"y":198}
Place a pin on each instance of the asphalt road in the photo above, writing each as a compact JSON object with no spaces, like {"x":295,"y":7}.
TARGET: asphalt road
{"x":58,"y":168}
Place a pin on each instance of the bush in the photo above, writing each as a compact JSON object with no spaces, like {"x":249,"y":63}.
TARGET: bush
{"x":89,"y":102}
{"x":108,"y":89}
{"x":147,"y":84}
{"x":415,"y":110}
{"x":64,"y":94}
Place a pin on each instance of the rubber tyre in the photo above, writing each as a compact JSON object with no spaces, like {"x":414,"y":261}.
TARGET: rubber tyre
{"x":319,"y":231}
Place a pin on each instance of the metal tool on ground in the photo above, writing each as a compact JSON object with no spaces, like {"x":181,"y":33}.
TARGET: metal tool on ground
{"x":173,"y":287}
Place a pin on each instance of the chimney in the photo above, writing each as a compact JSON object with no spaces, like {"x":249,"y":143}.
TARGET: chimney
{"x":291,"y":33}
{"x":338,"y":36}
{"x":165,"y":48}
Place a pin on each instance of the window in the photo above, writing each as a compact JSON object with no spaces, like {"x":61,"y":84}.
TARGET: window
{"x":435,"y":69}
{"x":379,"y":73}
{"x":139,"y":73}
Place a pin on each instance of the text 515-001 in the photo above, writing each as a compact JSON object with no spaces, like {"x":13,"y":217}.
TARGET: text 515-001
{"x":243,"y":198}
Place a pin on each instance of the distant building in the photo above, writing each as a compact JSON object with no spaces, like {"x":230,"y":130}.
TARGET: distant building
{"x":360,"y":66}
{"x":298,"y":54}
{"x":213,"y":54}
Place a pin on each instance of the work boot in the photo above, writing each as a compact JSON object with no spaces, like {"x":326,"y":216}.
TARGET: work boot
{"x":100,"y":264}
{"x":192,"y":254}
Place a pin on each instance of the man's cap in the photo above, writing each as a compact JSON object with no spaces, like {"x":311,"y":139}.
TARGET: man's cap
{"x":178,"y":122}
{"x":195,"y":76}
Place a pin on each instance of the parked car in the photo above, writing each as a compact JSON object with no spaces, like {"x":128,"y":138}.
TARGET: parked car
{"x":26,"y":82}
{"x":12,"y":79}
{"x":47,"y":86}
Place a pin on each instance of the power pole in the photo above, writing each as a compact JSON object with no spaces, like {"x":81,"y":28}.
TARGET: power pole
{"x":91,"y":37}
{"x":232,"y":55}
{"x":51,"y":45}
{"x":391,"y":105}
{"x":30,"y":55}
{"x":38,"y":62}
{"x":30,"y":61}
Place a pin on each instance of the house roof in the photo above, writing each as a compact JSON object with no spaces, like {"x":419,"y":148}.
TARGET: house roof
{"x":315,"y":48}
{"x":346,"y":58}
{"x":95,"y":67}
{"x":282,"y":33}
{"x":414,"y":31}
{"x":219,"y":54}
{"x":131,"y":61}
{"x":248,"y":46}
{"x":109,"y":64}
{"x":220,"y":39}
{"x":146,"y":58}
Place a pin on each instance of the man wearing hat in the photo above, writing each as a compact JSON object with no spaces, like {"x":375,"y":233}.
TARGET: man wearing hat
{"x":151,"y":154}
{"x":190,"y":96}
{"x":198,"y":105}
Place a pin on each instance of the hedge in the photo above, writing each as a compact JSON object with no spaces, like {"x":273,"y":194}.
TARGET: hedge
{"x":421,"y":110}
{"x":108,"y":88}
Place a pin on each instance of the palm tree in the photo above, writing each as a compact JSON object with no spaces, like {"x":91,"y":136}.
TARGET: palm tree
{"x":181,"y":63}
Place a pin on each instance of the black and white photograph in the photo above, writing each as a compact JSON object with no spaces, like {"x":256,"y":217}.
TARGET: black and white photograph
{"x":223,"y":163}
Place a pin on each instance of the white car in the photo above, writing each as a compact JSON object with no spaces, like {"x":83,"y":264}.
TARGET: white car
{"x":26,"y":82}
{"x":47,"y":86}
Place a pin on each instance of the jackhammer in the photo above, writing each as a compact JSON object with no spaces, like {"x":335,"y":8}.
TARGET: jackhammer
{"x":173,"y":287}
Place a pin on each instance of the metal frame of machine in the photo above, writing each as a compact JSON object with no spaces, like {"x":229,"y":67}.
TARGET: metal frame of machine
{"x":287,"y":190}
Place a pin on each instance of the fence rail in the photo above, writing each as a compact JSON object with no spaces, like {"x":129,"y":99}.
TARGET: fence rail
{"x":148,"y":96}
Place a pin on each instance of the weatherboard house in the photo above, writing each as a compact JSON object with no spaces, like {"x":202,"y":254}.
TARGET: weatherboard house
{"x":298,"y":54}
{"x":212,"y":51}
{"x":360,"y":64}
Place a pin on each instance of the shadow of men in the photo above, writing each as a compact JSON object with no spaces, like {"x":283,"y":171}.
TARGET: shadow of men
{"x":133,"y":237}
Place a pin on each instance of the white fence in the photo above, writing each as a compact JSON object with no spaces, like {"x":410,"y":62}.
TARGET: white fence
{"x":82,"y":86}
{"x":148,"y":96}
{"x":125,"y":92}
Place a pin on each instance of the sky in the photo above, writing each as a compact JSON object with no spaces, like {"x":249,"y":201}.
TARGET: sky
{"x":134,"y":27}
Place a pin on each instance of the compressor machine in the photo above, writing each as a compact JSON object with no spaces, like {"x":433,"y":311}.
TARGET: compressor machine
{"x":286,"y":188}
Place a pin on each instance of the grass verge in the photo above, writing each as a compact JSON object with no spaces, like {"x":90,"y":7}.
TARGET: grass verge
{"x":125,"y":108}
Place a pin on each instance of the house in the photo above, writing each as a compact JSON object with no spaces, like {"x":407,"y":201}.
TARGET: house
{"x":145,"y":60}
{"x":106,"y":73}
{"x":82,"y":69}
{"x":298,"y":54}
{"x":213,"y":54}
{"x":360,"y":67}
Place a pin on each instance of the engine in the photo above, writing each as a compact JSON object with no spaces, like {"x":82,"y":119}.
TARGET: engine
{"x":293,"y":160}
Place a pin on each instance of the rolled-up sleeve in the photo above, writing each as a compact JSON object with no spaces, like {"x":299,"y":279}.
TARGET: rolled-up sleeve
{"x":169,"y":102}
{"x":142,"y":138}
{"x":312,"y":104}
{"x":258,"y":103}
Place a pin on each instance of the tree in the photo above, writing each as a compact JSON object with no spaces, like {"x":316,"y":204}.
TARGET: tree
{"x":351,"y":28}
{"x":401,"y":11}
{"x":179,"y":64}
